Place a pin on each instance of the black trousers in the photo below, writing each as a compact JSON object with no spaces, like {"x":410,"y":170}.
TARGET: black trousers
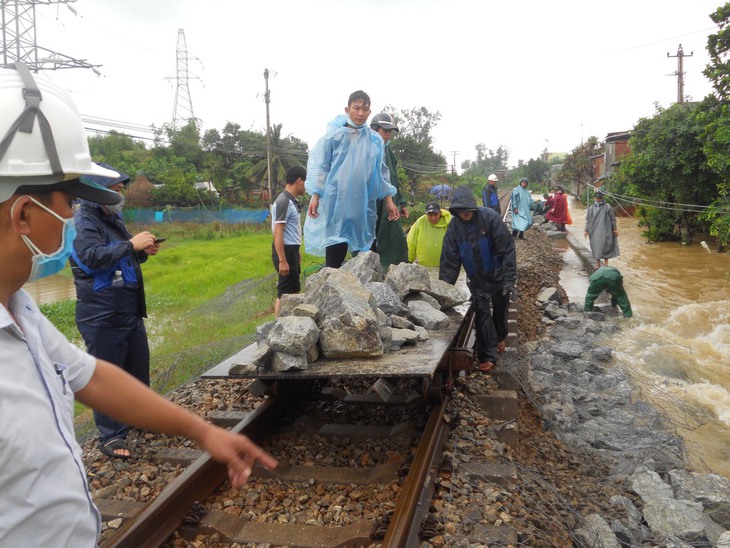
{"x":126,"y":347}
{"x":490,"y":309}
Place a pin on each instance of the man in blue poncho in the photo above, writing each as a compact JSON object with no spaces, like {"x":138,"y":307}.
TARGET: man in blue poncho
{"x":346,"y":176}
{"x":521,"y":210}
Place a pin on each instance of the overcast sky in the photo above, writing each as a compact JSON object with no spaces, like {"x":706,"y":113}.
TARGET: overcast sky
{"x":527,"y":75}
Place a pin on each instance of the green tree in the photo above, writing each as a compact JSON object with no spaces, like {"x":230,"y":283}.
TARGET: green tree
{"x":667,"y":165}
{"x":413,"y":143}
{"x":537,"y":171}
{"x":119,"y":150}
{"x":577,"y":170}
{"x":285,"y":153}
{"x":715,"y":117}
{"x":487,"y":161}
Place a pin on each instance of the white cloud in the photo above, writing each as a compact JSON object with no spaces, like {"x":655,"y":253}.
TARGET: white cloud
{"x":523,"y":74}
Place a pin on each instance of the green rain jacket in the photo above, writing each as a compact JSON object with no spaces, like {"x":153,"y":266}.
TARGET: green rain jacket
{"x":609,"y":279}
{"x":389,"y":236}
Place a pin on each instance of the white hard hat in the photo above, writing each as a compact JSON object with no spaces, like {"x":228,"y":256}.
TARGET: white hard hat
{"x":493,"y":177}
{"x":44,"y":147}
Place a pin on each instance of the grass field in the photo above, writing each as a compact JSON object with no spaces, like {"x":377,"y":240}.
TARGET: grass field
{"x":207,"y":290}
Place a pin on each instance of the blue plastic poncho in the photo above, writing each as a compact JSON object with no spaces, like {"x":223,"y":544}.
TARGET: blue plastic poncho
{"x":521,"y":201}
{"x":347,"y":171}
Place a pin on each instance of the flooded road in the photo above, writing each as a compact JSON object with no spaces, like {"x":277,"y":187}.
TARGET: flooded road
{"x":677,"y":345}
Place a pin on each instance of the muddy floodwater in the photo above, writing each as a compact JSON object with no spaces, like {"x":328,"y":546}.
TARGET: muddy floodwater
{"x":677,"y":345}
{"x":51,"y":289}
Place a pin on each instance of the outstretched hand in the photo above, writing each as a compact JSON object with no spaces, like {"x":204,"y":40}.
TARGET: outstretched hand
{"x":237,"y":451}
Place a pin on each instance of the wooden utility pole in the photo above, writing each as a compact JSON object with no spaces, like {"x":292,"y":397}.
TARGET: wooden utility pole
{"x":453,"y":166}
{"x":680,"y":72}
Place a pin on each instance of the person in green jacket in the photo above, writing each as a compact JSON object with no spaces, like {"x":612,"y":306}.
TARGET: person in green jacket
{"x":390,"y":240}
{"x":608,"y":278}
{"x":426,"y":236}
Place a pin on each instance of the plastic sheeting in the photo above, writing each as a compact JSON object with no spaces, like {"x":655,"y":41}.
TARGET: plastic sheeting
{"x":347,"y":171}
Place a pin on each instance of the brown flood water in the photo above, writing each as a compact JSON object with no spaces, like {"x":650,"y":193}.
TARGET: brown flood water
{"x":677,"y":345}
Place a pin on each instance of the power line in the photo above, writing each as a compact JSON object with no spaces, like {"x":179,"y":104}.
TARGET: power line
{"x":19,"y":38}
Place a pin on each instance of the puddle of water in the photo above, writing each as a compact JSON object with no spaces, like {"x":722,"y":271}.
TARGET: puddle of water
{"x":51,"y":289}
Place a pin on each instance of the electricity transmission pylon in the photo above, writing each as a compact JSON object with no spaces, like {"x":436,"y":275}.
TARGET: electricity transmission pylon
{"x":19,"y":40}
{"x":183,"y":109}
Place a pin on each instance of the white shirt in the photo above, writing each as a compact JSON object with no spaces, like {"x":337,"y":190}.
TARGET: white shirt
{"x":44,"y":499}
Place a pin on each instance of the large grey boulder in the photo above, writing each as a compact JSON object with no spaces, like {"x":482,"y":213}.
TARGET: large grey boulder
{"x":348,"y":321}
{"x":289,"y":301}
{"x":421,"y":296}
{"x":446,"y":294}
{"x":293,"y":335}
{"x":366,"y":266}
{"x":596,"y":533}
{"x":711,"y":490}
{"x":386,"y":299}
{"x":423,"y":314}
{"x":284,"y":361}
{"x":680,"y":518}
{"x":406,"y":278}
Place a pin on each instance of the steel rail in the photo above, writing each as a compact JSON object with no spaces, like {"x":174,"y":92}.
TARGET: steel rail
{"x":162,"y":516}
{"x":406,"y":522}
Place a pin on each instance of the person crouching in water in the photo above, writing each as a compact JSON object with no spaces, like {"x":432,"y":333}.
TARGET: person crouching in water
{"x":478,"y":240}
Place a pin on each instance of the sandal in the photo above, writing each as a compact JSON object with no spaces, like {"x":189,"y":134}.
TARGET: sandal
{"x":111,"y":447}
{"x":501,"y":347}
{"x":486,"y":367}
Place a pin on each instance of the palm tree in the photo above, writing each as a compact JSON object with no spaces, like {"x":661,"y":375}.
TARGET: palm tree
{"x":285,"y":153}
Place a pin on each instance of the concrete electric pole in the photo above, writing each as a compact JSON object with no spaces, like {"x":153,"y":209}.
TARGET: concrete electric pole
{"x":19,"y":40}
{"x":267,"y":98}
{"x":680,"y":72}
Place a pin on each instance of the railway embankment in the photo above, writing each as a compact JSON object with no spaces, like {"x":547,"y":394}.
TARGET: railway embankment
{"x":590,"y":404}
{"x":553,"y":448}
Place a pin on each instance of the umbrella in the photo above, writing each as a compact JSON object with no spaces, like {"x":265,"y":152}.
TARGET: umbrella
{"x":441,"y":191}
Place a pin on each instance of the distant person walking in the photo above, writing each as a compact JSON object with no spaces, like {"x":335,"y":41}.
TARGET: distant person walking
{"x":601,"y":229}
{"x":608,"y":278}
{"x":559,"y":214}
{"x":490,"y":197}
{"x":287,"y":228}
{"x":426,"y":236}
{"x":390,"y":240}
{"x":521,"y":209}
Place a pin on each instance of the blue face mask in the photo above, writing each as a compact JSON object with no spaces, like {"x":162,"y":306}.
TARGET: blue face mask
{"x":47,"y":265}
{"x":353,"y":124}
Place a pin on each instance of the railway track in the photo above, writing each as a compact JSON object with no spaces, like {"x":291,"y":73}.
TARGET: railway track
{"x":410,"y":424}
{"x":404,"y":418}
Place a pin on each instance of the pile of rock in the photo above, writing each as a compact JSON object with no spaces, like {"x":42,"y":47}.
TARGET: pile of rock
{"x":355,"y":312}
{"x":589,"y":402}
